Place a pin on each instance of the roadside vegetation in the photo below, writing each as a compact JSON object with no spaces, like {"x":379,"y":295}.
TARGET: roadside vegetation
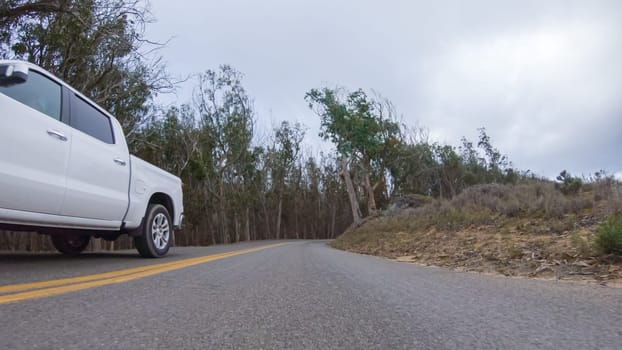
{"x":526,"y":229}
{"x":393,"y":191}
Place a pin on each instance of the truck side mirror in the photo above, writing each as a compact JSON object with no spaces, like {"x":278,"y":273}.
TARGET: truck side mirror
{"x":13,"y":73}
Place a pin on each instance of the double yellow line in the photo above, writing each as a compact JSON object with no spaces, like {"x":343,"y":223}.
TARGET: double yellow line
{"x":25,"y":291}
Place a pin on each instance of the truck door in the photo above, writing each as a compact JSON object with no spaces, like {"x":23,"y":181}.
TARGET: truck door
{"x":34,"y":146}
{"x":98,"y":173}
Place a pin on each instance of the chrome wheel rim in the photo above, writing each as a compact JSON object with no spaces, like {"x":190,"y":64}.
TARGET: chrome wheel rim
{"x":160,"y":231}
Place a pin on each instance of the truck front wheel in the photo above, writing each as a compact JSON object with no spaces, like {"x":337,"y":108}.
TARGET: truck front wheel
{"x":70,"y":244}
{"x":157,"y":232}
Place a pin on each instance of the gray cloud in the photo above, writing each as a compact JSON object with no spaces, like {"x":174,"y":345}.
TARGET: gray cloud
{"x":542,"y":76}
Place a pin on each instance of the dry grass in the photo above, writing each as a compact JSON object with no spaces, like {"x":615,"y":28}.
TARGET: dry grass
{"x":527,"y":229}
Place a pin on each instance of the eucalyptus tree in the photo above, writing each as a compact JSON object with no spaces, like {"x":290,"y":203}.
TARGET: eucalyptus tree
{"x":226,"y":125}
{"x":414,"y":169}
{"x":362,"y":131}
{"x":285,"y":153}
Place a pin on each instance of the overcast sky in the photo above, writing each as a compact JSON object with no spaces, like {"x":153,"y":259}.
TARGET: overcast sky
{"x":543,"y":77}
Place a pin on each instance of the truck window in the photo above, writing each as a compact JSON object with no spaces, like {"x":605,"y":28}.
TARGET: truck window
{"x":89,"y":120}
{"x":38,"y":92}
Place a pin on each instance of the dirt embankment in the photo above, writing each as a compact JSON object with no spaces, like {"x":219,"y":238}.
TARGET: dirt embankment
{"x":530,"y":231}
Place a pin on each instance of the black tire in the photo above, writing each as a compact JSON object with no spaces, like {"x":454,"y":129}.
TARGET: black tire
{"x":70,"y":245}
{"x":156,"y":233}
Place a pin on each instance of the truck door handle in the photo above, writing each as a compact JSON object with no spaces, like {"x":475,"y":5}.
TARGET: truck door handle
{"x":57,"y":134}
{"x":119,"y":161}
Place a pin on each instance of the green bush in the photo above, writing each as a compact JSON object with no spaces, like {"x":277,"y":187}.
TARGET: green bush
{"x":609,"y":235}
{"x":569,"y":184}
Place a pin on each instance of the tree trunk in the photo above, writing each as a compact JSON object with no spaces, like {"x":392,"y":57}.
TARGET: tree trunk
{"x":296,"y":228}
{"x":320,"y":224}
{"x":247,"y":229}
{"x":97,"y":244}
{"x":254,"y":227}
{"x":223,"y":215}
{"x":354,"y":205}
{"x":333,"y":215}
{"x":236,"y":227}
{"x":267,"y":235}
{"x":371,"y":201}
{"x":278,"y":217}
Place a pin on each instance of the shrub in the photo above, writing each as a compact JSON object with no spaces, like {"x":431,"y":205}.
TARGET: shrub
{"x":581,"y":244}
{"x":569,"y":184}
{"x":524,"y":200}
{"x":609,"y":235}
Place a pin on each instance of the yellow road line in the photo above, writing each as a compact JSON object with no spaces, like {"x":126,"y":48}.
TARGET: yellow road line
{"x":87,"y":278}
{"x":67,"y":285}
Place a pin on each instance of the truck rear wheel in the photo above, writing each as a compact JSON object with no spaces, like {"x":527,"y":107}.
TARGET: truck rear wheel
{"x":70,"y":245}
{"x":157,"y":232}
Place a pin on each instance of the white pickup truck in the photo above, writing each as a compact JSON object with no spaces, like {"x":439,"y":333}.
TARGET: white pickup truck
{"x":65,"y":169}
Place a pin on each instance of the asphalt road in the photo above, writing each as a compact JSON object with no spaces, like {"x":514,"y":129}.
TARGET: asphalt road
{"x":301,"y":295}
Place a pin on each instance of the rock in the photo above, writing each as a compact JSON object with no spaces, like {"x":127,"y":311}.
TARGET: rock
{"x":408,"y":201}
